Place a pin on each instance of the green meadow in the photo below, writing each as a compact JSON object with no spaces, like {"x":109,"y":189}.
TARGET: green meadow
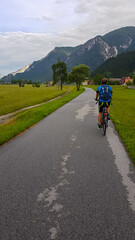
{"x":123,"y":116}
{"x":29,"y":117}
{"x":13,"y":97}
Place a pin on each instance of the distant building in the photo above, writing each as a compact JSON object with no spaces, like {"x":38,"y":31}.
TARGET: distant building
{"x":128,"y":79}
{"x":85,"y":82}
{"x":115,"y":79}
{"x":51,"y":83}
{"x":124,"y":80}
{"x":90,"y":82}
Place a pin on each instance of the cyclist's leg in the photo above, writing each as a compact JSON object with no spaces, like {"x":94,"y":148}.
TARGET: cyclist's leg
{"x":99,"y":117}
{"x":100,"y":112}
{"x":108,"y":108}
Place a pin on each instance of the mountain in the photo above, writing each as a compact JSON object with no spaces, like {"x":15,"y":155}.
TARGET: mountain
{"x":92,"y":53}
{"x":123,"y":39}
{"x":120,"y":66}
{"x":41,"y":70}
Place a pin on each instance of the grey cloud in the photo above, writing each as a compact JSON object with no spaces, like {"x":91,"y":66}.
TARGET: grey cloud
{"x":83,"y":6}
{"x":19,"y":49}
{"x":43,"y":17}
{"x":60,"y":1}
{"x":47,"y":17}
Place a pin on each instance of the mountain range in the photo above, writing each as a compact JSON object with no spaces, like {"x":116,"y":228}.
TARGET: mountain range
{"x":93,"y":53}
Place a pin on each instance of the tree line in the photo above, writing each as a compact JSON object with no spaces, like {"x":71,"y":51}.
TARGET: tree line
{"x":77,"y":75}
{"x":21,"y":82}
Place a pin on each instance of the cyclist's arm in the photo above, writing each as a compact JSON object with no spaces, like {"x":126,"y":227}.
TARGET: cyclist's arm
{"x":97,"y":95}
{"x":111,"y":94}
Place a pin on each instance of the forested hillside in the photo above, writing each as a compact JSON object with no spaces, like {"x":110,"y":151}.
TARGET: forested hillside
{"x":119,"y":66}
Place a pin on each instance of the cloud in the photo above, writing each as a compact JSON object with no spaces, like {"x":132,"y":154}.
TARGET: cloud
{"x":30,"y":29}
{"x":19,"y":49}
{"x":60,"y":1}
{"x":83,"y":6}
{"x":43,"y":17}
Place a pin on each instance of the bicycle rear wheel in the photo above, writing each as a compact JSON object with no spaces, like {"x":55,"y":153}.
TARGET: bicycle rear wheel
{"x":104,"y":128}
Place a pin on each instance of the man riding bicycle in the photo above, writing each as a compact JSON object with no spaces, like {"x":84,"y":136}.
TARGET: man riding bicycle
{"x":104,"y":94}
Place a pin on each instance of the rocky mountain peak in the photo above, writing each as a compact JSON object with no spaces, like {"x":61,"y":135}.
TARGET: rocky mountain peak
{"x":89,"y":45}
{"x":21,"y":70}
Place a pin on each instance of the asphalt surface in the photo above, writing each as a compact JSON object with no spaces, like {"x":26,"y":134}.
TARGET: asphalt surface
{"x":62,"y":179}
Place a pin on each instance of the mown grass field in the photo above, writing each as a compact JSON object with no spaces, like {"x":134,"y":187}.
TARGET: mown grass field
{"x":123,"y":115}
{"x":13,"y":97}
{"x":27,"y":118}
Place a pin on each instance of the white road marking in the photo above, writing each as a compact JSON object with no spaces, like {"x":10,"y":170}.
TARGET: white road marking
{"x":53,"y":232}
{"x":73,"y":138}
{"x":63,"y":182}
{"x":48,"y":195}
{"x":123,"y":164}
{"x":64,"y":163}
{"x":82,"y":112}
{"x":56,"y":208}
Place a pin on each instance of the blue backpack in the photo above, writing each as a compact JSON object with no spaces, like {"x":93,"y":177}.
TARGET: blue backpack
{"x":105,"y":93}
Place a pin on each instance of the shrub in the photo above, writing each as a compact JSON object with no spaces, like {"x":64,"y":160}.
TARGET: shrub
{"x":129,"y":83}
{"x":36,"y":84}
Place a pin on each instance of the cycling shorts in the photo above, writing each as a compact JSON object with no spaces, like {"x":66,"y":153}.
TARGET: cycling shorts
{"x":103,"y":104}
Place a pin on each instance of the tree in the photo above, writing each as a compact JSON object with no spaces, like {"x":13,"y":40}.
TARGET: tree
{"x":78,"y":74}
{"x":107,"y":74}
{"x":21,"y":83}
{"x":97,"y":79}
{"x":59,"y":73}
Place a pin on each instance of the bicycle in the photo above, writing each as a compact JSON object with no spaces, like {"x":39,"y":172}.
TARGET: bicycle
{"x":104,"y":119}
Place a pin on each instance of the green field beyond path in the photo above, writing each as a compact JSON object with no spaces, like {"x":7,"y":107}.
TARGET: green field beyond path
{"x":22,"y":121}
{"x":123,"y":115}
{"x":13,"y":97}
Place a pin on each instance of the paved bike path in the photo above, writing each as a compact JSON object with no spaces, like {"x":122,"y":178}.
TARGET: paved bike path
{"x":63,"y":179}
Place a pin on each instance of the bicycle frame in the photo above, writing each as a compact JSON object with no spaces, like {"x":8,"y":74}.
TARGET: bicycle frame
{"x":104,"y":120}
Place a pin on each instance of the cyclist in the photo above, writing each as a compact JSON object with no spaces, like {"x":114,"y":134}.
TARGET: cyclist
{"x":104,"y":94}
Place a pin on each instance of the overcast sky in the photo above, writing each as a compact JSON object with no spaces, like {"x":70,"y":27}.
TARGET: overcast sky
{"x":30,"y":29}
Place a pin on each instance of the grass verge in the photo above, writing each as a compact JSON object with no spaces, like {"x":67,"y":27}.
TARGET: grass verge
{"x":26,"y":119}
{"x":123,"y":116}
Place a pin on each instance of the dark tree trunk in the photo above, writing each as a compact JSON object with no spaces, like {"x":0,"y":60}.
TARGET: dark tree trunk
{"x":78,"y":86}
{"x":61,"y":84}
